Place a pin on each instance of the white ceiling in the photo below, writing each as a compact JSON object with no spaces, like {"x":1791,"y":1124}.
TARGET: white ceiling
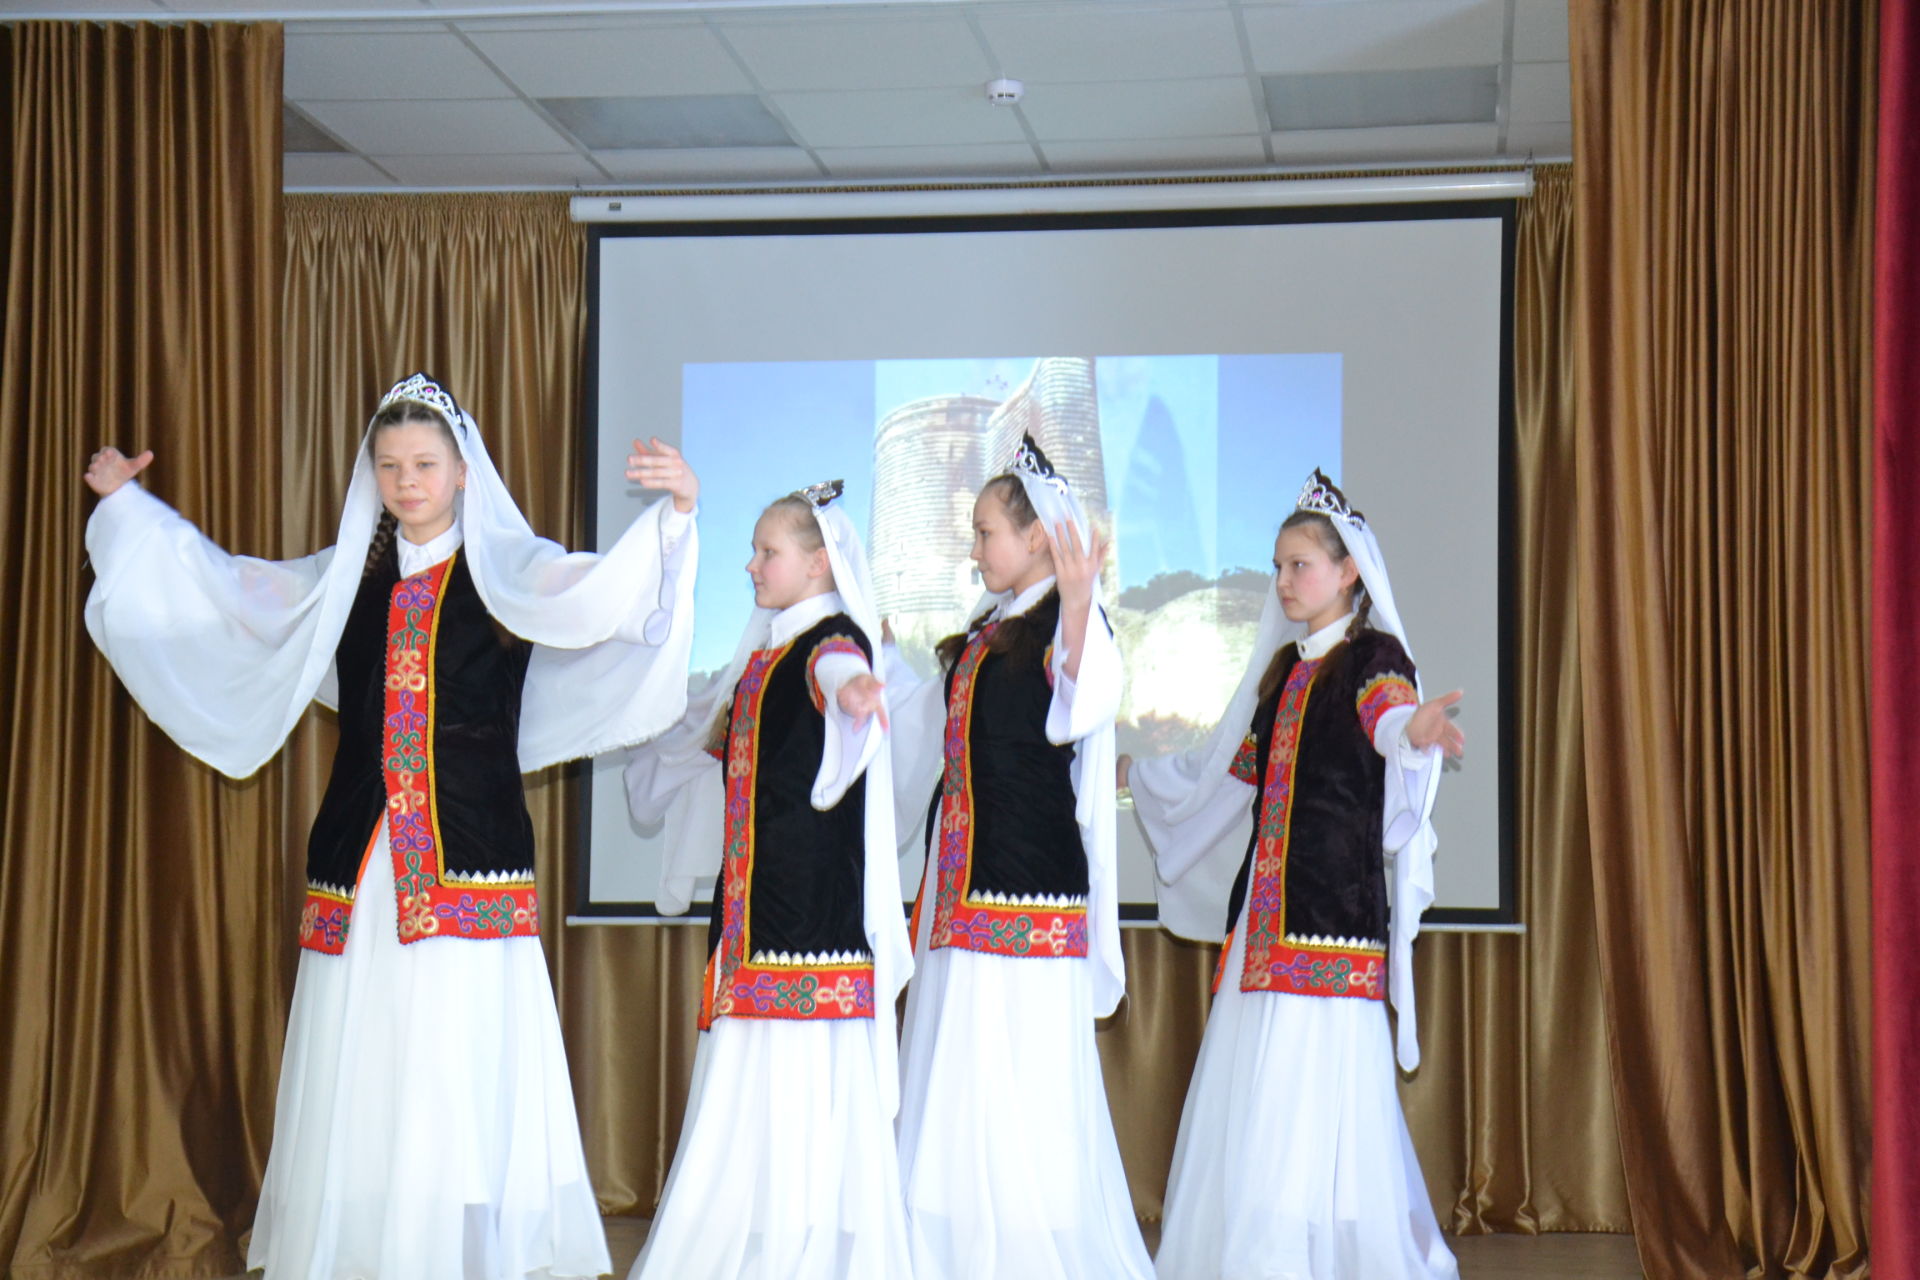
{"x":430,"y":94}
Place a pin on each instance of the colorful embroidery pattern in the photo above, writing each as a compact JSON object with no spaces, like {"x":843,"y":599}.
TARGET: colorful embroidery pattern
{"x":323,"y":923}
{"x":1246,"y":761}
{"x":735,"y":986}
{"x":1312,"y":969}
{"x":959,"y":918}
{"x":1382,"y":694}
{"x":830,"y":645}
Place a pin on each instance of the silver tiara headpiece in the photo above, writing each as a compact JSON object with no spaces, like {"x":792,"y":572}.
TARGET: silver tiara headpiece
{"x":819,"y":495}
{"x":1322,"y":495}
{"x":420,"y":389}
{"x":1029,"y":461}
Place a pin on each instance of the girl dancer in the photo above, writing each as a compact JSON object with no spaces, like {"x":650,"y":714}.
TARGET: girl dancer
{"x":425,"y":1125}
{"x":786,"y":1167}
{"x":1006,"y":1145}
{"x":1293,"y":1158}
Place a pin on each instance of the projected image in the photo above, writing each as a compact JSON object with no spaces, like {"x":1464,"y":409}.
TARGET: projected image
{"x":1189,"y":463}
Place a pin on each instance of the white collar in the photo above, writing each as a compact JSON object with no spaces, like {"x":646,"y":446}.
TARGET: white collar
{"x":1016,"y":605}
{"x":1316,"y":645}
{"x":795,"y":618}
{"x":415,"y":558}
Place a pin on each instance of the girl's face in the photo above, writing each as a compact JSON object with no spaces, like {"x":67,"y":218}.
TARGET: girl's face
{"x":784,"y":572}
{"x":1009,"y":559}
{"x":419,"y":474}
{"x":1314,"y":588}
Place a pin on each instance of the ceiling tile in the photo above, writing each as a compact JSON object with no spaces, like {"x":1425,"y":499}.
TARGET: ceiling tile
{"x":331,"y":171}
{"x":896,"y":117}
{"x":896,"y":53}
{"x":1542,"y":93}
{"x":1540,"y":31}
{"x":369,"y":28}
{"x":614,"y":62}
{"x":714,"y":164}
{"x":1382,"y":99}
{"x":929,"y":162}
{"x":492,"y":170}
{"x":696,"y":120}
{"x":437,"y":128}
{"x":1142,"y":109}
{"x":1111,"y":43}
{"x":1415,"y":143}
{"x":1542,"y":141}
{"x":358,"y":67}
{"x":1377,"y":37}
{"x":1143,"y":157}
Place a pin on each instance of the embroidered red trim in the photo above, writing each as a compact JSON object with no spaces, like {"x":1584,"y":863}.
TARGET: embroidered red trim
{"x":1382,"y":694}
{"x":831,"y":645}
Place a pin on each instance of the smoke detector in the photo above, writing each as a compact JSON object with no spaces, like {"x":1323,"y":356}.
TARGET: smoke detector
{"x":1005,"y":92}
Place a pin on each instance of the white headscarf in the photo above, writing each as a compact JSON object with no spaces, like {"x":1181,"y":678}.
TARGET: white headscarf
{"x":1409,"y":845}
{"x":225,"y":652}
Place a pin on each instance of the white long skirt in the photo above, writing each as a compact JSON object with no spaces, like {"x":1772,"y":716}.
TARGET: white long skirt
{"x":425,"y":1127}
{"x":1293,"y":1160}
{"x":1007,"y":1151}
{"x":786,"y":1168}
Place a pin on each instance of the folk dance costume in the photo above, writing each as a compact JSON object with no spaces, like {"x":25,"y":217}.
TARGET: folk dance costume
{"x":786,"y":1167}
{"x":425,"y":1124}
{"x":1293,"y":1159}
{"x":1007,"y":1150}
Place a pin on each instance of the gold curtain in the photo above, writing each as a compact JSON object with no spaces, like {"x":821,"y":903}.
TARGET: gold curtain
{"x":1723,"y":257}
{"x":145,"y":911}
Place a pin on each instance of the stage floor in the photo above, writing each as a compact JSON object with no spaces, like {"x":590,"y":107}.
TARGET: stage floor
{"x":1553,"y":1257}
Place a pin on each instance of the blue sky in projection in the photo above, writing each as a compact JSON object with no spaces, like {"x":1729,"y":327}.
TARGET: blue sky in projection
{"x":1204,"y":454}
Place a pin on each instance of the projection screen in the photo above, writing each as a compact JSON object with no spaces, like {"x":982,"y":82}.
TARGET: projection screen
{"x":1186,"y":370}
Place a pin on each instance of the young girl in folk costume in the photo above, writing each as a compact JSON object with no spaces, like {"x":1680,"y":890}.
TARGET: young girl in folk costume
{"x":779,"y":780}
{"x":425,"y":1126}
{"x":1293,"y":1158}
{"x":1007,"y":1149}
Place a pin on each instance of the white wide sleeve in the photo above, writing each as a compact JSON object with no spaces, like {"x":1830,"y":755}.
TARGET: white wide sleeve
{"x":917,"y":741}
{"x":218,"y":649}
{"x":675,"y":783}
{"x":1413,"y":783}
{"x":624,"y":690}
{"x":1195,"y":858}
{"x":847,"y":751}
{"x":1082,"y":712}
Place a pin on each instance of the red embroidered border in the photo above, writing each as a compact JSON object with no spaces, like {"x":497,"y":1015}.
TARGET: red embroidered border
{"x":799,"y":991}
{"x":1314,"y":970}
{"x":1383,"y":693}
{"x":1018,"y":931}
{"x":1266,"y":909}
{"x":954,"y":865}
{"x":1246,"y":761}
{"x":831,"y":645}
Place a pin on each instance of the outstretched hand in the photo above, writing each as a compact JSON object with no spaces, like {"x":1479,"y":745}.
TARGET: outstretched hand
{"x":862,"y":698}
{"x":108,"y":469}
{"x":1432,"y":727}
{"x":1075,"y":568}
{"x":661,"y":467}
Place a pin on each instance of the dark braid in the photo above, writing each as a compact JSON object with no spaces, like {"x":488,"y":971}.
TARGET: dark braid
{"x":380,"y":549}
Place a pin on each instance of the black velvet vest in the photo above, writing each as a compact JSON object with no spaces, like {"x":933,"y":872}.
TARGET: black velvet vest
{"x":483,"y":837}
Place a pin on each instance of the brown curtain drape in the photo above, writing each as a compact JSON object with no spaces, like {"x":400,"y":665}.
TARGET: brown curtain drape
{"x":1723,"y":253}
{"x":142,"y":965}
{"x":1512,"y":1108}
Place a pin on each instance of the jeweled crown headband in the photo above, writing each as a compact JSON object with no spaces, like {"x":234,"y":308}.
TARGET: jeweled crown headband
{"x":1320,"y":494}
{"x":1028,"y":460}
{"x":819,"y":495}
{"x":420,"y":389}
